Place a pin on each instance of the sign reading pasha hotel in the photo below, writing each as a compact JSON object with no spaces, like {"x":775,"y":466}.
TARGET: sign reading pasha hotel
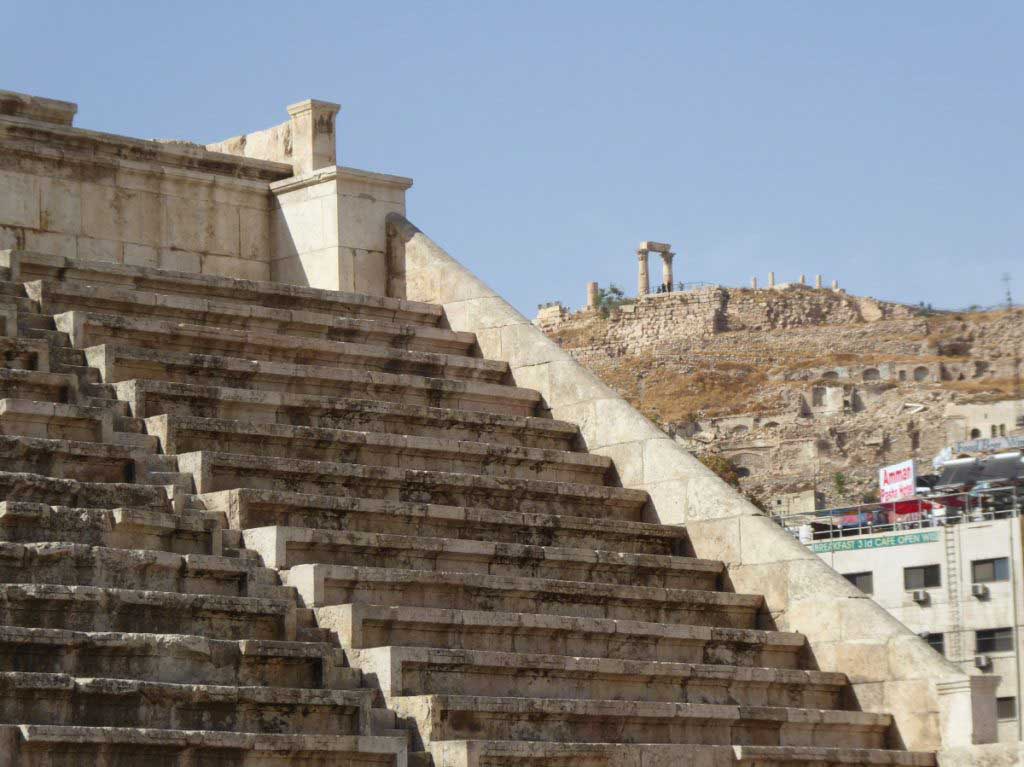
{"x":896,"y":482}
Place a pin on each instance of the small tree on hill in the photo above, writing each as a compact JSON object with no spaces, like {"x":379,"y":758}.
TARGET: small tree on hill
{"x":610,"y":298}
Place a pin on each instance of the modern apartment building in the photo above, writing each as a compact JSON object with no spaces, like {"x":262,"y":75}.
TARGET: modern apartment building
{"x":955,"y":577}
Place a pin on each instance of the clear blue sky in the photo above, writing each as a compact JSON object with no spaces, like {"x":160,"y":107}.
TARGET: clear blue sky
{"x":879,"y":143}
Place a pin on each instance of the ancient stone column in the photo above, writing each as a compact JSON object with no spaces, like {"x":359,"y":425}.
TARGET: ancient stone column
{"x":817,"y":280}
{"x":771,"y":279}
{"x":803,"y":279}
{"x":666,"y":271}
{"x":753,"y":282}
{"x":593,"y":295}
{"x":643,"y":280}
{"x":835,"y":284}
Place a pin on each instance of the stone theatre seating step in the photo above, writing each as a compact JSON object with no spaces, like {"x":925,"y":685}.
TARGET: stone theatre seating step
{"x":369,"y":416}
{"x":261,"y":525}
{"x":316,"y":391}
{"x":88,"y":329}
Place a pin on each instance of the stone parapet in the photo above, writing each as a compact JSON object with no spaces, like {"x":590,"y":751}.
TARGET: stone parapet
{"x":99,"y":197}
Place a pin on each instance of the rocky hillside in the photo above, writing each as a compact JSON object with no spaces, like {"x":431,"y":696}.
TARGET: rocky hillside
{"x":802,"y":389}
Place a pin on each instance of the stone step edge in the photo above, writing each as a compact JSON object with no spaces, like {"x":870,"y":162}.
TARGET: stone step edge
{"x":104,"y":357}
{"x":202,"y":463}
{"x":230,"y":501}
{"x":361,"y":698}
{"x":78,"y":326}
{"x":309,"y":581}
{"x":198,"y":739}
{"x":271,"y":542}
{"x":166,"y":425}
{"x":346,"y":620}
{"x":27,"y":266}
{"x":163,"y":502}
{"x":186,"y":565}
{"x":572,"y":665}
{"x":196,"y":644}
{"x":141,"y":519}
{"x":468,"y":753}
{"x":46,"y":293}
{"x":632,"y":708}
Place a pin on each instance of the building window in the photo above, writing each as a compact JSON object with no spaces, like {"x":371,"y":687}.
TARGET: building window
{"x":937,"y":642}
{"x":995,"y":430}
{"x":975,"y":433}
{"x":1006,"y":708}
{"x":923,"y":577}
{"x":993,"y":640}
{"x":990,"y":570}
{"x":1002,"y":430}
{"x":863,"y":581}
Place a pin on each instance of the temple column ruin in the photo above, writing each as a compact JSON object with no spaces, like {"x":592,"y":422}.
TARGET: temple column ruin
{"x":593,"y":295}
{"x":666,"y":271}
{"x":643,"y":280}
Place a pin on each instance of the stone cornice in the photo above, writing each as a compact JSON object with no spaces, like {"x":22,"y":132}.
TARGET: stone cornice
{"x":113,"y":147}
{"x":340,"y":173}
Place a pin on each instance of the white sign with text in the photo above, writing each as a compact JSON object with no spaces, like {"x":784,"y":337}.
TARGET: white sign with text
{"x":896,"y":482}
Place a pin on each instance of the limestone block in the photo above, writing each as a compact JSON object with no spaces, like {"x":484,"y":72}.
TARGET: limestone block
{"x":141,"y":255}
{"x":254,"y":226}
{"x":180,"y":261}
{"x":19,"y":200}
{"x":11,"y":238}
{"x":60,"y":206}
{"x":100,"y":250}
{"x":239,"y":268}
{"x":197,"y":225}
{"x":361,"y":221}
{"x":304,"y":226}
{"x":113,"y":213}
{"x":628,"y":461}
{"x":65,"y":246}
{"x":369,"y":271}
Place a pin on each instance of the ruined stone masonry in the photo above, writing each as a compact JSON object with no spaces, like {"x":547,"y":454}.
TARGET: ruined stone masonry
{"x":283,"y":484}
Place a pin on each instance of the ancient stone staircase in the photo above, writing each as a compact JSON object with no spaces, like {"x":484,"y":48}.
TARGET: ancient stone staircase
{"x":256,"y":524}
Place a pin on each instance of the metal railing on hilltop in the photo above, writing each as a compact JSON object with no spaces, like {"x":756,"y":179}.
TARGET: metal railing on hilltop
{"x":929,"y":511}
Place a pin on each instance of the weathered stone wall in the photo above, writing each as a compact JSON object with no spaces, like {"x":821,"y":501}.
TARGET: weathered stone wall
{"x":655,"y":319}
{"x":270,"y":205}
{"x":81,"y":194}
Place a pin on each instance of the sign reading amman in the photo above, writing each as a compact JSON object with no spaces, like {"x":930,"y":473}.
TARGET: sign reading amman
{"x":896,"y":482}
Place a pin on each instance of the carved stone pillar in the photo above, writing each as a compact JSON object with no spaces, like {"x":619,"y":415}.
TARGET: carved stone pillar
{"x":666,"y":271}
{"x":643,"y":279}
{"x":593,"y":295}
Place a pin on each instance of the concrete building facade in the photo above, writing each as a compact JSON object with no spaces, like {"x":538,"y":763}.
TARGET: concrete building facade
{"x":960,"y":587}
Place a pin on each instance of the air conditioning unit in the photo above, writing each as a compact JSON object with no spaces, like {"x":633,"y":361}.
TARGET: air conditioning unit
{"x":921,"y":596}
{"x":982,"y":661}
{"x":979,"y":590}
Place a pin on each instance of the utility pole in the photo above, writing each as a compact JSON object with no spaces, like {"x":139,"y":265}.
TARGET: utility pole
{"x":1019,"y":420}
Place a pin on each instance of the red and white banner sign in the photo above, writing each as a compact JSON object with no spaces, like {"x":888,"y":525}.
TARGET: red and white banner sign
{"x":896,"y":482}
